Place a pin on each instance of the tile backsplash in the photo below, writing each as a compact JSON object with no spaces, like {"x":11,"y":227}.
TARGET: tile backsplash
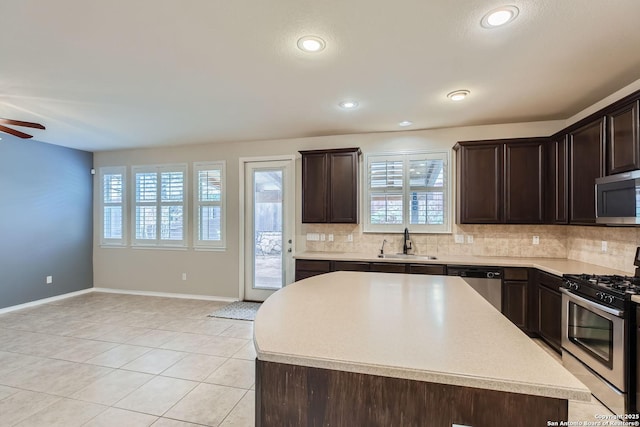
{"x":555,"y":241}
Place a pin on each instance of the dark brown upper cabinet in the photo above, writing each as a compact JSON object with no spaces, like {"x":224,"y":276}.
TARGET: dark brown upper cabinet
{"x":557,"y":181}
{"x":501,"y":181}
{"x":524,"y":181}
{"x":480,"y":175}
{"x":586,"y":163}
{"x":330,"y":186}
{"x":623,"y":143}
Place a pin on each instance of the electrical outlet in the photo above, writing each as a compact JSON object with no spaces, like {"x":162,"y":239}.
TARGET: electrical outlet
{"x":49,"y":280}
{"x":469,"y":239}
{"x":458,"y":238}
{"x":349,"y":237}
{"x":536,"y":240}
{"x":313,"y":237}
{"x":184,"y":276}
{"x":604,"y":246}
{"x":331,"y":237}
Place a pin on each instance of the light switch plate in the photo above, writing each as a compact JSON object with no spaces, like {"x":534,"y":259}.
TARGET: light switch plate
{"x":604,"y":246}
{"x":458,"y":238}
{"x":331,"y":237}
{"x":349,"y":237}
{"x":322,"y":237}
{"x":536,"y":240}
{"x":313,"y":237}
{"x":469,"y":238}
{"x":49,"y":280}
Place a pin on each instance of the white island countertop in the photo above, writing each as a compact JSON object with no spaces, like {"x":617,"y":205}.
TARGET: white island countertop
{"x":426,"y":328}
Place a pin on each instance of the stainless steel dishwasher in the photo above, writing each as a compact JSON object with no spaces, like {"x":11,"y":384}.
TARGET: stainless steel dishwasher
{"x":487,"y":281}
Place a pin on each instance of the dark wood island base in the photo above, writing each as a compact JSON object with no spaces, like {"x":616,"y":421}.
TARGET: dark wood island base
{"x":299,"y":396}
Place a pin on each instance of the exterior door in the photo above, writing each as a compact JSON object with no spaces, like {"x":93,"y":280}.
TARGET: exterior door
{"x":268,"y":227}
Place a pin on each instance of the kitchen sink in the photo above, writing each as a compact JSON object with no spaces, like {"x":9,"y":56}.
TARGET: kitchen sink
{"x":406,"y":256}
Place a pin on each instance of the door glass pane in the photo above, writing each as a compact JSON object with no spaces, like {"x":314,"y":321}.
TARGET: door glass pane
{"x":592,"y":332}
{"x":267,"y":226}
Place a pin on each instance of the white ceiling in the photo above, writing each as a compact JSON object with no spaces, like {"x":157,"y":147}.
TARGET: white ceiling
{"x":120,"y":73}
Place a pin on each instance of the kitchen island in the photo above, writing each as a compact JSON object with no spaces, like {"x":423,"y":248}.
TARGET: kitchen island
{"x":376,"y":349}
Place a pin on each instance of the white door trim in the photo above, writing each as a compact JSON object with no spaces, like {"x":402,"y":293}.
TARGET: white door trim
{"x":241,"y":207}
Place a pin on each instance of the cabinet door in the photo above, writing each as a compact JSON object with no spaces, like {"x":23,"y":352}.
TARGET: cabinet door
{"x":514,"y":302}
{"x":427,"y":269}
{"x":623,"y":144}
{"x":557,"y":181}
{"x":550,"y":316}
{"x":351,"y":266}
{"x":586,"y":147}
{"x":480,"y":183}
{"x":524,"y":184}
{"x":343,"y":193}
{"x":388,"y":267}
{"x":314,"y":188}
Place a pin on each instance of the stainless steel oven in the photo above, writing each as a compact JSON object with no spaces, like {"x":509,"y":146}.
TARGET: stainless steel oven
{"x":593,"y":348}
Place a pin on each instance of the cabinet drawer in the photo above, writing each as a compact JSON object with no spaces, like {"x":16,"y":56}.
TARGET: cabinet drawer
{"x":312,"y":265}
{"x":427,"y":269}
{"x":350,"y":266}
{"x":515,"y":274}
{"x":383,"y":267}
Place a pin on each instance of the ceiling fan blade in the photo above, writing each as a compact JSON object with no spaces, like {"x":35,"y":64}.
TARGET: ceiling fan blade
{"x":21,"y":123}
{"x":15,"y":132}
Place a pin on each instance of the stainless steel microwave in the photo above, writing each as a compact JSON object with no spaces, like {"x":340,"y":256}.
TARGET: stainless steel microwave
{"x":618,"y":198}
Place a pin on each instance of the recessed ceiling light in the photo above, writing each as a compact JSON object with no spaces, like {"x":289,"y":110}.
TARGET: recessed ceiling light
{"x":500,"y":16}
{"x":311,"y":44}
{"x":458,"y":95}
{"x":405,"y":123}
{"x":348,"y":105}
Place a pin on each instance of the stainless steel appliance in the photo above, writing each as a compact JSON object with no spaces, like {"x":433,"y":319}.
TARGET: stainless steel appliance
{"x":487,"y":281}
{"x":596,"y":336}
{"x":618,"y":198}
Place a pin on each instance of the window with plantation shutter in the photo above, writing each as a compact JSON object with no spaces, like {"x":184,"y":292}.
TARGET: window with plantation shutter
{"x":409,"y":190}
{"x":113,"y":209}
{"x":209,"y":206}
{"x":160,"y":205}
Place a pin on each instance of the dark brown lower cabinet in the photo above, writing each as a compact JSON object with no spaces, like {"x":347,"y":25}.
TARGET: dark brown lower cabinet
{"x":388,"y":267}
{"x":515,"y":285}
{"x":293,"y":395}
{"x":308,"y":268}
{"x":514,"y":302}
{"x":549,"y":309}
{"x":350,"y":266}
{"x":428,"y":269}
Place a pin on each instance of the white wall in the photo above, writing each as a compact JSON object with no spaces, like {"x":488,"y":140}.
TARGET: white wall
{"x":217,"y":273}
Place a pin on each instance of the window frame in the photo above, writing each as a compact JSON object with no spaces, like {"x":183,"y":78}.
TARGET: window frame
{"x":158,"y":242}
{"x":406,"y":158}
{"x":102,"y":172}
{"x":198,"y":243}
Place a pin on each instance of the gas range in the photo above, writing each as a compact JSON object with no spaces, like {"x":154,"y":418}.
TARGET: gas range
{"x":610,"y":290}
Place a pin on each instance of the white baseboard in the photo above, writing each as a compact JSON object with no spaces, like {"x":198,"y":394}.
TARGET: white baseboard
{"x":44,"y":300}
{"x":115,"y":291}
{"x":164,"y":294}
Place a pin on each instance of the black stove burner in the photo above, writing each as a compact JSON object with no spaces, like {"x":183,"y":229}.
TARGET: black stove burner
{"x":610,"y":290}
{"x":621,"y":284}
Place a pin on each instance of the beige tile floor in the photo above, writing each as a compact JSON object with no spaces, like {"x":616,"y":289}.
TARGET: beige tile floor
{"x":105,"y":359}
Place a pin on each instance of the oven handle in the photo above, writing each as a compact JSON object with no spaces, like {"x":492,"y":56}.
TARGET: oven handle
{"x":615,"y":312}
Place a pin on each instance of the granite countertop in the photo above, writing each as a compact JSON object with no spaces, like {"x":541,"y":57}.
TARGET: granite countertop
{"x":557,"y":266}
{"x":425,"y":328}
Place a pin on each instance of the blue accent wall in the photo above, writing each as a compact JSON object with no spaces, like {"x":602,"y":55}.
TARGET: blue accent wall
{"x":46,"y":220}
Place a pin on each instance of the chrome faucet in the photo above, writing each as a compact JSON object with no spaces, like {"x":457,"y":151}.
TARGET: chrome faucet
{"x":407,"y":242}
{"x":382,"y":248}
